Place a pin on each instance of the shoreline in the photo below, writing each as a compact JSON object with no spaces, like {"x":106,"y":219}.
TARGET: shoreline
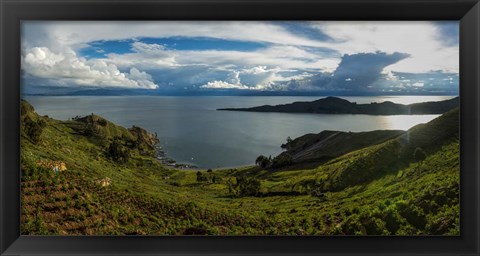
{"x":161,"y":156}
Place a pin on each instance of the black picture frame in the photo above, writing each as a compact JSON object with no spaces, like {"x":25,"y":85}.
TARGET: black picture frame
{"x":12,"y":12}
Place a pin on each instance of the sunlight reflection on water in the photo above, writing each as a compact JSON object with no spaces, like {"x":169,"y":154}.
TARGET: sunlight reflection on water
{"x":191,"y":130}
{"x":404,"y":122}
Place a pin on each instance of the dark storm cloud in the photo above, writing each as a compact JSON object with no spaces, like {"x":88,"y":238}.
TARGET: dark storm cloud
{"x":356,"y":72}
{"x":359,"y":71}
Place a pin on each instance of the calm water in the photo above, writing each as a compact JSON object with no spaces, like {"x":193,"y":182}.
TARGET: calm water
{"x":192,"y":131}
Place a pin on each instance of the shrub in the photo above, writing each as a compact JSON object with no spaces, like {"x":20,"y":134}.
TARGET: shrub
{"x":393,"y":220}
{"x":282,"y":160}
{"x":248,"y":186}
{"x":412,"y":213}
{"x":419,"y":155}
{"x":34,"y":129}
{"x":353,"y":226}
{"x":319,"y":193}
{"x":92,"y":129}
{"x":373,"y":225}
{"x":201,"y":177}
{"x":117,"y":151}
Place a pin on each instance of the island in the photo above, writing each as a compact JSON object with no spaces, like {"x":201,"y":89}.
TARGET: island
{"x":334,"y":105}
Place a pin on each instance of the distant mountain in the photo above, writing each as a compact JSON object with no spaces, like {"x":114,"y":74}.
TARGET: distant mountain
{"x":195,"y":91}
{"x":334,"y":105}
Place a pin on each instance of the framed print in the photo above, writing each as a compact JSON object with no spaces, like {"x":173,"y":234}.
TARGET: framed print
{"x":239,"y":127}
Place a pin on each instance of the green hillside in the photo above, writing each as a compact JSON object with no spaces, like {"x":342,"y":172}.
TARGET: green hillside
{"x":114,"y":185}
{"x":327,"y":145}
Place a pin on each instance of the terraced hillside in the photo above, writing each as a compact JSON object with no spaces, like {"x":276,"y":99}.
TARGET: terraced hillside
{"x":90,"y":176}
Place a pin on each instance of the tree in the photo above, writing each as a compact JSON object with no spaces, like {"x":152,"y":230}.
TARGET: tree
{"x":259,"y":160}
{"x":289,"y":139}
{"x":287,"y":145}
{"x":118,"y":151}
{"x":419,"y":156}
{"x":246,"y":186}
{"x":201,"y":177}
{"x":34,"y":129}
{"x":282,"y":160}
{"x":263,"y":161}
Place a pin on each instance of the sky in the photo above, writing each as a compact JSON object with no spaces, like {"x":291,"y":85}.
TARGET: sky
{"x":241,"y":57}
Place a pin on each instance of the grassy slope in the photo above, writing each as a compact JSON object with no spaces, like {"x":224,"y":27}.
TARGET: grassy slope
{"x":146,"y":198}
{"x":330,"y":144}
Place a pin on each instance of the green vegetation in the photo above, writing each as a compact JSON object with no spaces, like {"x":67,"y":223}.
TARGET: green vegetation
{"x":263,"y":161}
{"x":245,"y":186}
{"x":419,"y":155}
{"x":327,"y":145}
{"x":114,"y":185}
{"x":32,"y":126}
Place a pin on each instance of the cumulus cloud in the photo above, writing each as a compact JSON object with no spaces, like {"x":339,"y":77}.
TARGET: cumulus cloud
{"x":358,"y":71}
{"x":327,"y":56}
{"x":257,"y":78}
{"x":232,"y":82}
{"x":223,"y":85}
{"x":67,"y":68}
{"x":432,"y":82}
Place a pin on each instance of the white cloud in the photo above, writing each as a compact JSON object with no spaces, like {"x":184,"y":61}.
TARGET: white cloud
{"x":232,"y":82}
{"x":143,"y":79}
{"x":259,"y":69}
{"x":145,"y":56}
{"x":77,"y":34}
{"x":256,"y":78}
{"x":418,"y":39}
{"x":224,"y":85}
{"x":262,"y":57}
{"x":66,"y":68}
{"x":50,"y":52}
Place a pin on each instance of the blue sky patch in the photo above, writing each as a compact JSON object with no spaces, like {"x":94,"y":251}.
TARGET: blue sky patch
{"x":304,"y":29}
{"x":203,"y":43}
{"x":100,"y":49}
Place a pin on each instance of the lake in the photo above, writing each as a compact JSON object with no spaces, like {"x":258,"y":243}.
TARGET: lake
{"x":192,"y":131}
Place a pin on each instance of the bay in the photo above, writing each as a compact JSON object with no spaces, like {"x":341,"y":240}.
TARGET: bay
{"x":192,"y":131}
